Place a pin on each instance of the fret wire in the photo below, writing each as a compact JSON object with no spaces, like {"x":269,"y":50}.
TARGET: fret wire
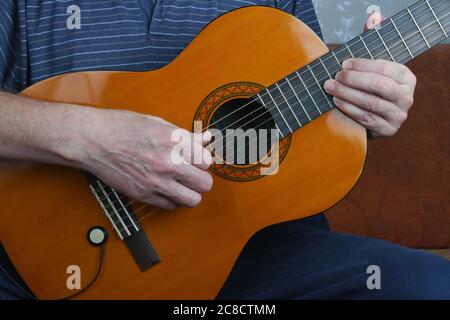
{"x":401,"y":37}
{"x":373,"y":43}
{"x":381,"y":38}
{"x":279,"y":111}
{"x":413,"y":51}
{"x":346,"y":45}
{"x":334,"y":55}
{"x":364,"y":43}
{"x":279,"y":131}
{"x":400,"y":14}
{"x":326,"y":69}
{"x":419,"y":48}
{"x":403,"y":50}
{"x":321,"y":89}
{"x":351,"y":53}
{"x":268,"y":109}
{"x":415,"y":22}
{"x":309,"y":93}
{"x":407,"y":27}
{"x":115,"y":211}
{"x":289,"y":106}
{"x":437,"y":19}
{"x":106,"y":212}
{"x":125,"y":209}
{"x":300,"y":101}
{"x":331,"y":65}
{"x":426,"y":20}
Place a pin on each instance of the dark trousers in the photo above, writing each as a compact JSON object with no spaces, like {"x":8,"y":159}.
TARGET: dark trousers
{"x":304,"y":260}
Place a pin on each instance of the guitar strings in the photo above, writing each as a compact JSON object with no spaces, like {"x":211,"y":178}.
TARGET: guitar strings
{"x":321,"y":73}
{"x":157,"y":209}
{"x":383,"y":53}
{"x":255,"y":149}
{"x":121,"y":197}
{"x":378,"y":46}
{"x":342,"y":50}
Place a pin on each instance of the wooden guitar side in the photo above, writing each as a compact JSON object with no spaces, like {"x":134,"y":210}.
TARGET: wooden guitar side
{"x":45,"y":211}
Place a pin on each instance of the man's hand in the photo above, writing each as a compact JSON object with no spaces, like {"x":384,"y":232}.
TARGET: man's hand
{"x":131,"y":152}
{"x":376,"y":93}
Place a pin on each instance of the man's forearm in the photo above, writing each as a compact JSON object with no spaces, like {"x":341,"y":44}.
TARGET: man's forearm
{"x":40,"y":131}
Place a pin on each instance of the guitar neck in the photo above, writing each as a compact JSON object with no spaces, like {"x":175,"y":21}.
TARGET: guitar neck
{"x":401,"y":38}
{"x":404,"y":36}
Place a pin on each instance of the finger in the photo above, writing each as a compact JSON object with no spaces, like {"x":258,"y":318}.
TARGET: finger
{"x":364,"y":100}
{"x":195,"y":178}
{"x":198,"y":156}
{"x":370,"y":121}
{"x":160,"y":202}
{"x":162,"y":121}
{"x":205,"y":156}
{"x":180,"y":194}
{"x":192,"y":150}
{"x":201,"y":157}
{"x":203,"y":137}
{"x":397,"y":72}
{"x":372,"y":82}
{"x":207,"y":137}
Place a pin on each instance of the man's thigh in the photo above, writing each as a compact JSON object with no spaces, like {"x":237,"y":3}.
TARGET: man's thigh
{"x":303,"y":260}
{"x":8,"y":290}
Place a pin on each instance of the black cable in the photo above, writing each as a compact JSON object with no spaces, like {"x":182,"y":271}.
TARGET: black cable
{"x":100,"y":264}
{"x":33,"y":297}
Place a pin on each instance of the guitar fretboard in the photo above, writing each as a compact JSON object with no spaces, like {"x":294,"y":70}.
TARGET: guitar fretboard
{"x":299,"y":98}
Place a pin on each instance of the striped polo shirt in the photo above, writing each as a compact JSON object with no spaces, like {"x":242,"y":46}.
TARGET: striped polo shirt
{"x":43,"y":38}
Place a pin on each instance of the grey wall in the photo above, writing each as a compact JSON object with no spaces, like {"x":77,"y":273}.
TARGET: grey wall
{"x":341,"y":20}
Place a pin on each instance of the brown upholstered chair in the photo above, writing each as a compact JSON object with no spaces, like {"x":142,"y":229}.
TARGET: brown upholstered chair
{"x":404,"y":192}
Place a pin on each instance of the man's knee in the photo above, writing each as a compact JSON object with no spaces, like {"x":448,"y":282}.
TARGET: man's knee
{"x":412,"y":274}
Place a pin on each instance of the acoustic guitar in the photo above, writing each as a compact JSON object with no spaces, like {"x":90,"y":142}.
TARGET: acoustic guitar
{"x":251,"y":67}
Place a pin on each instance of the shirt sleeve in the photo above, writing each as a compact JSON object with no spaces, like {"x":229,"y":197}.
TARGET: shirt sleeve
{"x":13,"y":57}
{"x":303,"y":10}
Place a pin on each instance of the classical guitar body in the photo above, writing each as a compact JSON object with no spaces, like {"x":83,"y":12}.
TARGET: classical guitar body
{"x":46,"y":211}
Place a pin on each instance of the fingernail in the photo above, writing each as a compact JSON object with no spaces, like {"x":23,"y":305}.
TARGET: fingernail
{"x":207,"y":136}
{"x":338,"y":75}
{"x":336,"y":101}
{"x":329,"y":85}
{"x":347,"y":64}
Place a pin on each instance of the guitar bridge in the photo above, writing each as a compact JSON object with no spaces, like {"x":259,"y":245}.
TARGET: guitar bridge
{"x":118,"y":211}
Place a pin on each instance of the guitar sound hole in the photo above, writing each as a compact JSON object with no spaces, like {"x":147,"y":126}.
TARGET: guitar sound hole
{"x":255,"y":123}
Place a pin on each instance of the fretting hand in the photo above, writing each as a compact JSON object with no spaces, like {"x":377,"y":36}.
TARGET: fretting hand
{"x":376,"y":93}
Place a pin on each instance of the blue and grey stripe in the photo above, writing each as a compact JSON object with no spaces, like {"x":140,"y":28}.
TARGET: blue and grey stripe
{"x":135,"y":35}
